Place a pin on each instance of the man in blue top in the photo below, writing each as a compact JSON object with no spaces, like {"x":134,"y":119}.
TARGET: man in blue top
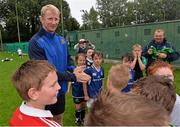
{"x":159,"y":48}
{"x":48,"y":45}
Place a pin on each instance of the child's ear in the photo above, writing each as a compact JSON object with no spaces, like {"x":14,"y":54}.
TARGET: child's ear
{"x":33,"y":94}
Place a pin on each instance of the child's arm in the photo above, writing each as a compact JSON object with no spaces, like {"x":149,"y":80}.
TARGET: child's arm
{"x":141,"y":65}
{"x":86,"y":97}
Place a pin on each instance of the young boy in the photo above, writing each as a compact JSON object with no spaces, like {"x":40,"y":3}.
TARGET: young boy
{"x":127,"y":60}
{"x":118,"y":77}
{"x":95,"y":86}
{"x":139,"y":62}
{"x":89,"y":60}
{"x":36,"y":83}
{"x":157,"y":88}
{"x":126,"y":110}
{"x":165,"y":69}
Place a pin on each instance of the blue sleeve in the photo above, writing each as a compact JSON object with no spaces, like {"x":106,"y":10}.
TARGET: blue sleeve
{"x":70,"y":63}
{"x":35,"y":52}
{"x":145,"y":50}
{"x":173,"y":56}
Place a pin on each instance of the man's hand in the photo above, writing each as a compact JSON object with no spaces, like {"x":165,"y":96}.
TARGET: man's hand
{"x":162,"y":55}
{"x":80,"y":75}
{"x":150,"y":51}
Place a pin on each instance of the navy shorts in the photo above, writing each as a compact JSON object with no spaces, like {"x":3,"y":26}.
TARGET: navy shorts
{"x":58,"y":107}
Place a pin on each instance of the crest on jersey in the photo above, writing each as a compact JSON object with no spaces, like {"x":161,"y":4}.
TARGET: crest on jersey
{"x":94,"y":74}
{"x":63,"y":41}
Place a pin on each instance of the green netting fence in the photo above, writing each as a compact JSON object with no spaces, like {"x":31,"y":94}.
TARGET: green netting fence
{"x":12,"y":47}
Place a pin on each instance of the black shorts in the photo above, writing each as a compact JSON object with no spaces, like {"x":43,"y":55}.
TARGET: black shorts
{"x":78,"y":100}
{"x":58,"y":107}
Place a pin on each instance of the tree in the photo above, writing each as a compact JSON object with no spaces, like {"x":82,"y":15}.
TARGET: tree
{"x":28,"y":15}
{"x":90,"y":19}
{"x":112,"y":12}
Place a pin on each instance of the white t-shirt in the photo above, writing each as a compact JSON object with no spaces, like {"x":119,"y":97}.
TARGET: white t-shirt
{"x":175,"y":114}
{"x":19,"y":52}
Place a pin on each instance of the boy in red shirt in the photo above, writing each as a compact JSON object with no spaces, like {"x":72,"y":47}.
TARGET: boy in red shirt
{"x":36,"y":83}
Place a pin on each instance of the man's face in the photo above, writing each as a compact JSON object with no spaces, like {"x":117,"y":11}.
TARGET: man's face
{"x":158,"y":37}
{"x":50,"y":20}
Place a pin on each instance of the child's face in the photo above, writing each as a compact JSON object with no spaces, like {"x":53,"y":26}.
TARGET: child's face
{"x":89,"y":53}
{"x":97,"y":60}
{"x":137,"y":51}
{"x":81,"y":61}
{"x":48,"y":93}
{"x":164,"y":71}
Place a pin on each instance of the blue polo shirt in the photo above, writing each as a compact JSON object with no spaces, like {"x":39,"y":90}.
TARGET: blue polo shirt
{"x":53,"y":48}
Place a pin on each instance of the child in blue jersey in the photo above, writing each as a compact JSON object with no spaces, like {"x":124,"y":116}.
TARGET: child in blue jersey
{"x":77,"y":93}
{"x":95,"y":85}
{"x":89,"y":60}
{"x":118,"y":77}
{"x":126,"y":60}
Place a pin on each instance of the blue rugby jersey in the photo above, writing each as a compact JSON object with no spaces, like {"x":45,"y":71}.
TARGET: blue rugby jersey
{"x":94,"y":86}
{"x":130,"y":82}
{"x":52,"y":47}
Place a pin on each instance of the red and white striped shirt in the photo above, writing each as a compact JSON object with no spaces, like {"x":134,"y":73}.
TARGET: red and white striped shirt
{"x":29,"y":116}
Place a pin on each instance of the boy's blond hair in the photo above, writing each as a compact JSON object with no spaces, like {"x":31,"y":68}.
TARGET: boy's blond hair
{"x":119,"y":76}
{"x":49,"y":7}
{"x":136,"y":46}
{"x":31,"y":74}
{"x":126,"y":110}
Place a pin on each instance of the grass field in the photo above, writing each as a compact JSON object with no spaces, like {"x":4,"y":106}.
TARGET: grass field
{"x":9,"y":98}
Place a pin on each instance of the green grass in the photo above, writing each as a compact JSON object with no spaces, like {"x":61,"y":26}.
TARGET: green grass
{"x":10,"y":100}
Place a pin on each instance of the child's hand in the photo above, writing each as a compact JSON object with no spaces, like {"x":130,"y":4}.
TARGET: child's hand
{"x":86,"y":98}
{"x":139,"y":54}
{"x":162,"y":55}
{"x":150,"y":51}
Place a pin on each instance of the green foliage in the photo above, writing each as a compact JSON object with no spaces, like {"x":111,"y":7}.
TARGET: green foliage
{"x":90,"y":19}
{"x":126,"y":12}
{"x":28,"y":16}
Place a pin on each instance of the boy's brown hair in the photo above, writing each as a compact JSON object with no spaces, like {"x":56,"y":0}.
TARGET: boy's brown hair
{"x":118,"y":76}
{"x":157,"y":88}
{"x":31,"y":74}
{"x":97,"y":53}
{"x":126,"y":110}
{"x":158,"y":64}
